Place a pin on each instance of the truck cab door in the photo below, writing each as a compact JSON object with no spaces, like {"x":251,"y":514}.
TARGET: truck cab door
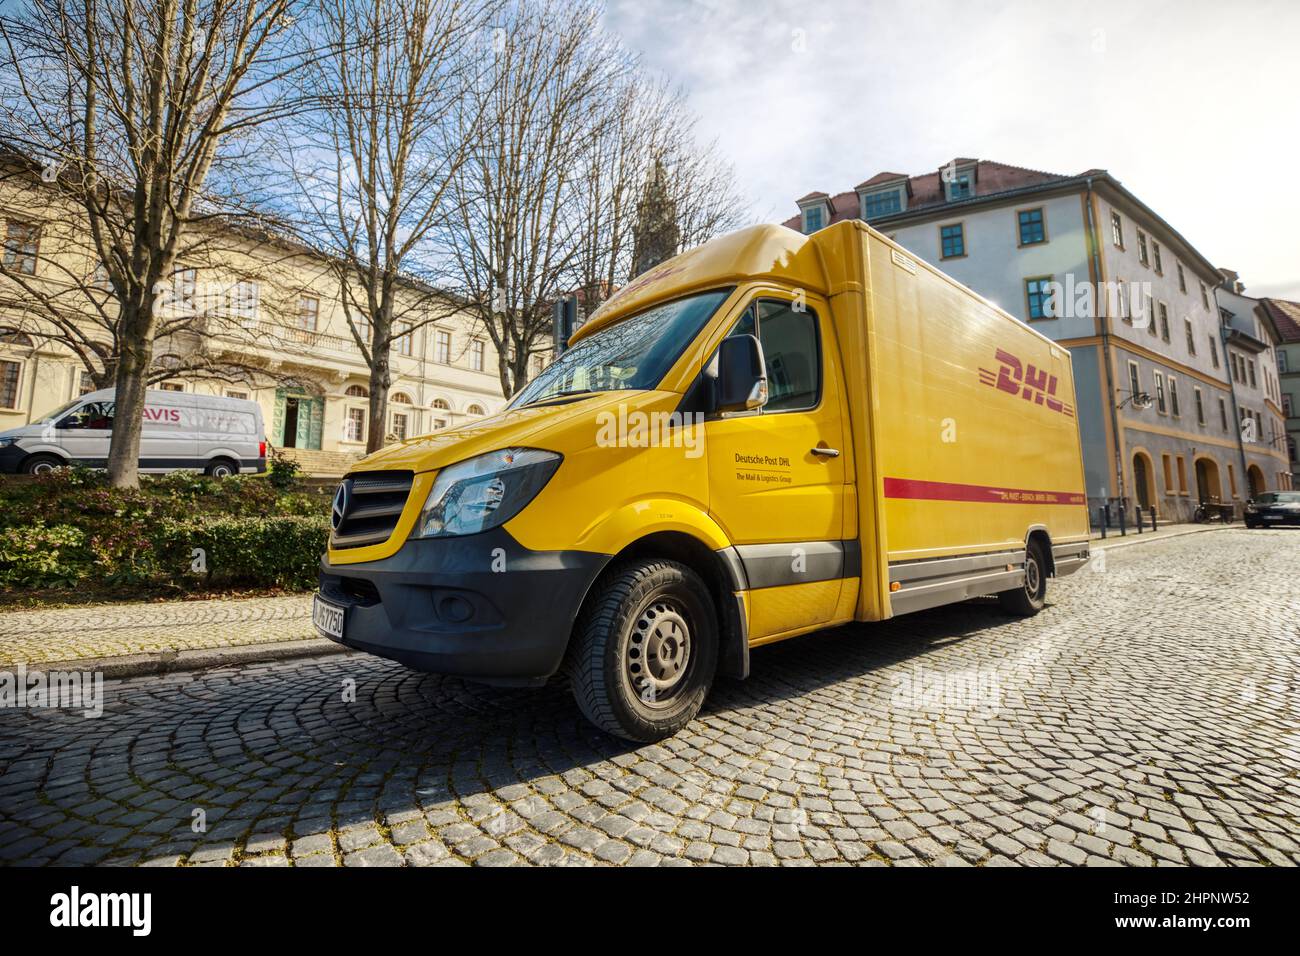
{"x":776,"y":474}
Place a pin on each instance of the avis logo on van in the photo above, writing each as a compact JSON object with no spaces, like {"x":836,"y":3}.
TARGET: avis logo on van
{"x":171,"y":415}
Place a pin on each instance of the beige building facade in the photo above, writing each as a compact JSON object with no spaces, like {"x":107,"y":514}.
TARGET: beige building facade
{"x":262,"y":318}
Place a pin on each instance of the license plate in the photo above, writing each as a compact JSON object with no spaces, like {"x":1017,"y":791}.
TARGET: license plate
{"x":1274,"y":517}
{"x":327,"y":617}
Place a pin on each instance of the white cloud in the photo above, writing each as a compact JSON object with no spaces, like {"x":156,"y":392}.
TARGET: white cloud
{"x":1190,"y":104}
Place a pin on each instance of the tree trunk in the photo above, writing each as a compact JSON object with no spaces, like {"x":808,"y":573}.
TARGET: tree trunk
{"x":129,"y":396}
{"x":380,"y":380}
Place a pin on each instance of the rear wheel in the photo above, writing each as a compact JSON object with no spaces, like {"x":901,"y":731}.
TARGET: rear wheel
{"x":42,"y":464}
{"x":1029,"y":598}
{"x":221,"y":468}
{"x":645,"y":650}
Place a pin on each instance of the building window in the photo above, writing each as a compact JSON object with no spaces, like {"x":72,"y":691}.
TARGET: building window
{"x":1155,"y":257}
{"x":243,"y":301}
{"x":1160,"y":394}
{"x":1200,"y":406}
{"x":231,"y":393}
{"x":1250,"y":367}
{"x":1033,"y":229}
{"x":539,"y":365}
{"x":1134,"y":379}
{"x":1232,"y":479}
{"x":1290,"y":445}
{"x":475,"y":410}
{"x":1214,"y":352}
{"x":1281,"y":362}
{"x":308,"y":312}
{"x":357,"y":391}
{"x":1038,"y":295}
{"x":1286,"y":406}
{"x":476,"y":355}
{"x":1167,"y":462}
{"x":1174,"y":410}
{"x":1151,"y":316}
{"x":952,"y":241}
{"x":1143,"y":256}
{"x":960,"y":187}
{"x":440,"y":404}
{"x":10,"y":374}
{"x":442,"y":348}
{"x":354,"y":426}
{"x":21,"y":241}
{"x":1182,"y":279}
{"x":439,"y":423}
{"x":172,"y":387}
{"x":399,"y":426}
{"x":1205,"y":296}
{"x":1116,"y":230}
{"x":1191,"y":336}
{"x":401,"y":398}
{"x":1223,"y":413}
{"x":85,"y":383}
{"x":881,"y":204}
{"x":1121,"y":302}
{"x":1164,"y":322}
{"x":403,"y":343}
{"x":1182,"y":476}
{"x":185,"y":284}
{"x":812,"y":219}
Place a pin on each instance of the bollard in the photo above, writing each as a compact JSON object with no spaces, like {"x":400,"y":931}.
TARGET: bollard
{"x":1138,"y":510}
{"x":1102,"y":521}
{"x":1123,"y":514}
{"x":1153,"y":518}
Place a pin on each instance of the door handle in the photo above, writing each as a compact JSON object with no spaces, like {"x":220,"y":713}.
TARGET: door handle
{"x":826,"y":452}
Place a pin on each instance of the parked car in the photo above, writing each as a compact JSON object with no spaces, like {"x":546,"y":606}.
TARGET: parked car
{"x":181,"y":432}
{"x":1273,"y":508}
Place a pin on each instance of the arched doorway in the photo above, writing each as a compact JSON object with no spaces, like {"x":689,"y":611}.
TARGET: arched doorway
{"x":1143,"y":480}
{"x":1255,"y":481}
{"x":1207,"y":481}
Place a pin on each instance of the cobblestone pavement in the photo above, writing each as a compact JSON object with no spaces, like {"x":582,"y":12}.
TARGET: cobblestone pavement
{"x":1147,"y":716}
{"x":106,"y":630}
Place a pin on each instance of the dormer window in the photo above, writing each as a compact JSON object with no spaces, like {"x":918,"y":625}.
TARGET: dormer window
{"x":812,"y":219}
{"x":884,"y":202}
{"x":959,"y":183}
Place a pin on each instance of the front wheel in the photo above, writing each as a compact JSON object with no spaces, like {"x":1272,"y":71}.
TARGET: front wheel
{"x":1028,"y":599}
{"x":42,"y":464}
{"x":645,"y":650}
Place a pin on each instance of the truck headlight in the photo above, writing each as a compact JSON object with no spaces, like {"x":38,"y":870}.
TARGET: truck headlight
{"x":6,"y":442}
{"x":484,"y":492}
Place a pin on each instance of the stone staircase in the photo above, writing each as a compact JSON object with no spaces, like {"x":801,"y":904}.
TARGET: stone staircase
{"x":320,"y":464}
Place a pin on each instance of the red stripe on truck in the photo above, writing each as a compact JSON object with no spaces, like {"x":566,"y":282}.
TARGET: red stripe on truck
{"x":916,"y":489}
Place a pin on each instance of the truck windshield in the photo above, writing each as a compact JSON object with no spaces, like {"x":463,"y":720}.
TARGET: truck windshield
{"x":633,"y":353}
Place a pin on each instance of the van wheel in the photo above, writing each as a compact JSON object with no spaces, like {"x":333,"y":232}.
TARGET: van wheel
{"x":644,"y":650}
{"x":42,"y":464}
{"x":1029,"y":599}
{"x":221,"y":468}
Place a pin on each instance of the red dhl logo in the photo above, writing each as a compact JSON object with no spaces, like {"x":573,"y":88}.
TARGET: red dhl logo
{"x":1030,"y":383}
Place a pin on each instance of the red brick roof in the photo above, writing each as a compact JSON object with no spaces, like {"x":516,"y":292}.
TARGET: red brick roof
{"x":1286,"y":316}
{"x":926,"y":190}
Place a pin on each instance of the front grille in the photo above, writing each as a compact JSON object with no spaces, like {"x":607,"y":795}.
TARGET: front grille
{"x":366,"y":507}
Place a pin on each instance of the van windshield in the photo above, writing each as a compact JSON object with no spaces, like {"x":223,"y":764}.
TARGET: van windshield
{"x":633,"y":353}
{"x":58,"y":412}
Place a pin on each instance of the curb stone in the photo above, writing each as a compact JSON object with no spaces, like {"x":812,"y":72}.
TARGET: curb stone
{"x":166,"y":662}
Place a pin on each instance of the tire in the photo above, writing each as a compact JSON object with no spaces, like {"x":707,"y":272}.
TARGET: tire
{"x":42,"y":464}
{"x":221,"y":468}
{"x":1028,"y":600}
{"x":1251,"y":524}
{"x":642,"y":611}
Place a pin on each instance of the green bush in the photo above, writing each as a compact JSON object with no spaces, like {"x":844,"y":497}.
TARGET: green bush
{"x":283,"y":473}
{"x":42,"y":556}
{"x":283,"y":551}
{"x":71,"y":529}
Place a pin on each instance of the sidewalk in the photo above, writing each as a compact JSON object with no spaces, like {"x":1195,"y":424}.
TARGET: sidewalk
{"x":116,"y":630}
{"x":1113,"y":536}
{"x":133,"y":639}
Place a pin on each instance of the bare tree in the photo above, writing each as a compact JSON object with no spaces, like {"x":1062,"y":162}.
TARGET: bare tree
{"x":392,"y":129}
{"x":139,"y":108}
{"x":516,"y":228}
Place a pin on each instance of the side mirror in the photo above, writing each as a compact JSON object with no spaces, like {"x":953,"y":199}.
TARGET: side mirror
{"x":742,"y":383}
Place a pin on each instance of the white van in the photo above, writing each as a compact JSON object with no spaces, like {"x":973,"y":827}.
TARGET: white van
{"x":182,"y":432}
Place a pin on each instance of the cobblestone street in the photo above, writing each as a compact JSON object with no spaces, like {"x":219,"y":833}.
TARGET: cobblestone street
{"x":1149,"y":715}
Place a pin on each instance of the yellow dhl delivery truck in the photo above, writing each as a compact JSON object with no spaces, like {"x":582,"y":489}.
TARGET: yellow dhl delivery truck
{"x":764,"y":436}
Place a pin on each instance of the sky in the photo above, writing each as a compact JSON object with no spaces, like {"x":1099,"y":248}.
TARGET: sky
{"x":1191,"y":104}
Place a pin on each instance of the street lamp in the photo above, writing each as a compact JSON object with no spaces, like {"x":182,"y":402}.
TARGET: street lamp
{"x":1138,"y":400}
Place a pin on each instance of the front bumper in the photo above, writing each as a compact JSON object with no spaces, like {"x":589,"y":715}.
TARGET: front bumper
{"x":1271,"y":518}
{"x":480,"y":606}
{"x":11,"y":459}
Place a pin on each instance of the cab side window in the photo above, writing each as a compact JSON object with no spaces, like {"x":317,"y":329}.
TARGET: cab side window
{"x":791,"y":353}
{"x":91,"y":415}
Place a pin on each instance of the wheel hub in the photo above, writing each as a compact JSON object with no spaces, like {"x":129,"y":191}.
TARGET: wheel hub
{"x":1031,"y":577}
{"x":659,"y":651}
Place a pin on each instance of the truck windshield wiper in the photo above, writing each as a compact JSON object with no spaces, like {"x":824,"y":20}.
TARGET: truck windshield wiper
{"x":565,"y":393}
